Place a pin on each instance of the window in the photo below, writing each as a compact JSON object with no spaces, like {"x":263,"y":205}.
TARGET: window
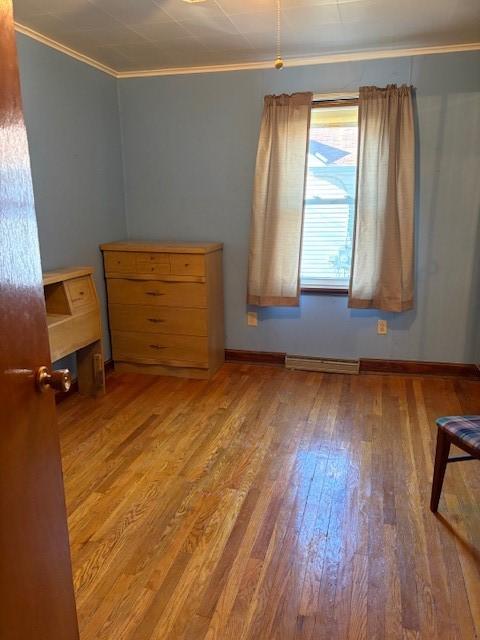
{"x":330,"y":196}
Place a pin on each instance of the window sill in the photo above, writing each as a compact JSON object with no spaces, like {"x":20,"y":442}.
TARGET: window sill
{"x":324,"y":291}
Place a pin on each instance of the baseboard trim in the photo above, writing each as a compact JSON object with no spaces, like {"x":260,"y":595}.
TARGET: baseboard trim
{"x":415,"y":367}
{"x":367,"y":366}
{"x":257,"y":357}
{"x":60,"y":397}
{"x":370,"y":365}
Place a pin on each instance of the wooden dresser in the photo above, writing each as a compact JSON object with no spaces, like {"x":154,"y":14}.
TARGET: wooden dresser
{"x":165,"y":304}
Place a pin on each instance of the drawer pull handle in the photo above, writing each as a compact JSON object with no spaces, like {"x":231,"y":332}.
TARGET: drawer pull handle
{"x":154,"y":293}
{"x":156,"y":346}
{"x":155,"y":320}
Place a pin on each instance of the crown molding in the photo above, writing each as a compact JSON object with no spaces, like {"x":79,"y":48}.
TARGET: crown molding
{"x":377,"y":54}
{"x":302,"y":62}
{"x":35,"y":35}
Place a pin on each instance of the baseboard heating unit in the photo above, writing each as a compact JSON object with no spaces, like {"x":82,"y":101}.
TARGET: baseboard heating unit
{"x":324,"y":365}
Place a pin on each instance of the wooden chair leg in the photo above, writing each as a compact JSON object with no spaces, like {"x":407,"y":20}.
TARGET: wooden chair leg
{"x":441,"y":457}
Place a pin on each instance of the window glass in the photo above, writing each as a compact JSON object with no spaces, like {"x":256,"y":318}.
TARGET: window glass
{"x":330,"y":197}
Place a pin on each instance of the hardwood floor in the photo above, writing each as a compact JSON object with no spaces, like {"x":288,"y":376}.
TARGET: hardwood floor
{"x":270,"y":504}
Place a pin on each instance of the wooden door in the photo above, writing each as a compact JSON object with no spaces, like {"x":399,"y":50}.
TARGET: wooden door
{"x":36,"y":592}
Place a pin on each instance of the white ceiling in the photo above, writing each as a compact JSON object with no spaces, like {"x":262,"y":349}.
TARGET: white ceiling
{"x":131,"y":35}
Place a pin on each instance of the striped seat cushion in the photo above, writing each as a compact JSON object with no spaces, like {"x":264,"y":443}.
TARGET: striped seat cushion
{"x":467,"y":428}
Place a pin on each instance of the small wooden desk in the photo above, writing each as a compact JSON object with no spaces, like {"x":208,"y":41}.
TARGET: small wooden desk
{"x":74,"y":324}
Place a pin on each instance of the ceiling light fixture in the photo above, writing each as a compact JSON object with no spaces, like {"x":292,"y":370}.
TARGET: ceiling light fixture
{"x":279,"y":59}
{"x":194,"y":1}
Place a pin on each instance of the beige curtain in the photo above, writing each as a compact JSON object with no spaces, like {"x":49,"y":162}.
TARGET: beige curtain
{"x":382,"y":267}
{"x":278,"y":194}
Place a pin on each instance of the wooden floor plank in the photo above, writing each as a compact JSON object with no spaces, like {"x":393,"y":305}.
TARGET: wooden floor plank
{"x":269,"y":504}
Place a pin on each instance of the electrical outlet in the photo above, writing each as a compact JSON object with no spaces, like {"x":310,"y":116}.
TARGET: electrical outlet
{"x":252,"y":318}
{"x":382,"y":327}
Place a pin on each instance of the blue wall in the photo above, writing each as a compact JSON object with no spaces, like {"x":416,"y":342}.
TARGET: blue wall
{"x":71,"y":113}
{"x":189,"y":149}
{"x":189,"y":145}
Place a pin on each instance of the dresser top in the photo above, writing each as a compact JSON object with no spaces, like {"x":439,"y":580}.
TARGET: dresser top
{"x":59,"y":275}
{"x":163,"y":247}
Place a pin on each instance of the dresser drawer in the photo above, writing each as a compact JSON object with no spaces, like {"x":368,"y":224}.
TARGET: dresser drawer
{"x":80,"y":292}
{"x":133,"y":262}
{"x":156,"y":293}
{"x":152,"y":263}
{"x":154,"y":348}
{"x":119,"y":262}
{"x":150,"y":319}
{"x":184,"y":264}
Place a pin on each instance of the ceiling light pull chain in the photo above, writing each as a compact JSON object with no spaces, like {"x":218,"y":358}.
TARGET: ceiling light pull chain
{"x":278,"y":59}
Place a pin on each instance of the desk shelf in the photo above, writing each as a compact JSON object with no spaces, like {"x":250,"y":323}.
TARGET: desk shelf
{"x":54,"y":319}
{"x":74,"y":325}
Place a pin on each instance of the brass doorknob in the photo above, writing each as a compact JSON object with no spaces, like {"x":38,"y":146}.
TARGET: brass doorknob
{"x":59,"y":380}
